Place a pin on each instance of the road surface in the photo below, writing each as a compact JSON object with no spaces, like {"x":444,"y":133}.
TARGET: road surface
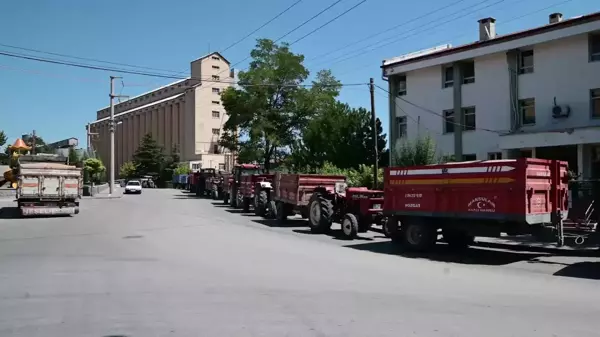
{"x":167,"y":264}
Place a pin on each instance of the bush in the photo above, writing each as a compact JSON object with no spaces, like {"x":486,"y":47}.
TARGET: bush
{"x":361,"y":177}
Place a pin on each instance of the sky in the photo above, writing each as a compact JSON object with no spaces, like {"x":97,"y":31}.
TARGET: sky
{"x":58,"y":101}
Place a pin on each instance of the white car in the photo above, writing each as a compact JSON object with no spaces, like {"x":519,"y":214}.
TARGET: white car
{"x":133,"y":186}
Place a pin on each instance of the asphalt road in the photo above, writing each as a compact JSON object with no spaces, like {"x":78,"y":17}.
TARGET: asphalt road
{"x":167,"y":264}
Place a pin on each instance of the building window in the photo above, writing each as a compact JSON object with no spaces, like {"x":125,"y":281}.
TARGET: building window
{"x":215,"y":77}
{"x":527,"y":111}
{"x":469,"y":157}
{"x":595,"y":103}
{"x":216,"y":149}
{"x":216,"y":58}
{"x":402,"y":86}
{"x":195,"y":166}
{"x":216,"y":67}
{"x":448,"y":76}
{"x":216,"y":102}
{"x":215,"y":132}
{"x":494,"y":155}
{"x":448,"y":121}
{"x":401,"y":127}
{"x":594,"y":41}
{"x":216,"y":90}
{"x":468,"y":74}
{"x":526,"y":62}
{"x":469,"y":119}
{"x":216,"y":114}
{"x":468,"y":122}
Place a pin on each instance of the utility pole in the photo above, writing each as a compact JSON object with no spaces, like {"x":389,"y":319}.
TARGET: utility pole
{"x":33,"y":142}
{"x":112,"y":133}
{"x":374,"y":120}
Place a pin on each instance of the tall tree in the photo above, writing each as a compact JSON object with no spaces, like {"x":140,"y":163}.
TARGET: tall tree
{"x":127,"y":170}
{"x":381,"y":143}
{"x":40,"y":144}
{"x":94,"y":169}
{"x":149,"y":157}
{"x":3,"y":138}
{"x":264,"y":109}
{"x":73,"y":157}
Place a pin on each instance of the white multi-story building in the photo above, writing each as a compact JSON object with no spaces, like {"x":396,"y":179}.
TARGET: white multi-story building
{"x":534,"y":93}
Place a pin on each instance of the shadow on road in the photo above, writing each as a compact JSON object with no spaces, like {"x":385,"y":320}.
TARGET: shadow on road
{"x":236,"y":211}
{"x":219,"y":204}
{"x":526,"y":244}
{"x":335,"y":234}
{"x":10,"y":213}
{"x":290,"y":223}
{"x":443,"y":253}
{"x":587,"y":270}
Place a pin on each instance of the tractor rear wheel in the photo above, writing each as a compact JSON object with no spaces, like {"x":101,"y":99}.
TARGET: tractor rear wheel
{"x":349,"y":226}
{"x":320,"y":215}
{"x":418,"y":235}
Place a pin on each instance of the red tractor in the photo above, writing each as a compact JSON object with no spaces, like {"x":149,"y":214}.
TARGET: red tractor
{"x":203,"y":175}
{"x":234,"y":195}
{"x":255,"y":190}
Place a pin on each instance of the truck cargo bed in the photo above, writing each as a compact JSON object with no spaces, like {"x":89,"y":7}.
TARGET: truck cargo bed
{"x":296,"y":189}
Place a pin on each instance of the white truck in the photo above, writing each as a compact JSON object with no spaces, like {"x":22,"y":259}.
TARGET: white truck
{"x":47,"y":185}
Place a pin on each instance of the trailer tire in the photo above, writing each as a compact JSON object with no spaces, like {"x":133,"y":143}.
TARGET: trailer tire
{"x":245,"y":204}
{"x":418,"y":235}
{"x":320,"y":214}
{"x":280,"y":213}
{"x":272,"y":210}
{"x":261,"y":203}
{"x":457,"y":239}
{"x":349,"y":226}
{"x":385,"y":227}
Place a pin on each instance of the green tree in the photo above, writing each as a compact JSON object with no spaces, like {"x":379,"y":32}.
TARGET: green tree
{"x":40,"y":144}
{"x":149,"y":158}
{"x":267,"y":115}
{"x":94,"y":168}
{"x":3,"y":138}
{"x":421,"y":151}
{"x":73,"y":157}
{"x":381,"y":143}
{"x":127,"y":170}
{"x":182,"y":169}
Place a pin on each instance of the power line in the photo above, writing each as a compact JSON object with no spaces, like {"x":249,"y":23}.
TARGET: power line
{"x":387,"y":41}
{"x":262,"y":26}
{"x":330,"y":21}
{"x":93,"y":67}
{"x":386,"y":30}
{"x":465,"y":34}
{"x":433,"y":112}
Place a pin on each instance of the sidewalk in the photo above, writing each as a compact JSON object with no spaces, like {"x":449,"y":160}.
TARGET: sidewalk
{"x":104,"y":194}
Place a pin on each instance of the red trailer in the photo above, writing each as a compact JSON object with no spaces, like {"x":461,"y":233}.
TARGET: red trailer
{"x":295,"y":193}
{"x":255,"y":189}
{"x":481,"y":198}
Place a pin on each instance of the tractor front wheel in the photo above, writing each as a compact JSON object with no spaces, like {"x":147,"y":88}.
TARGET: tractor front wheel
{"x":320,"y":215}
{"x":260,"y":204}
{"x":349,"y":226}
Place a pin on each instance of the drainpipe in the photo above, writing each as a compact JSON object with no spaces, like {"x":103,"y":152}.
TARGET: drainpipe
{"x":458,"y":114}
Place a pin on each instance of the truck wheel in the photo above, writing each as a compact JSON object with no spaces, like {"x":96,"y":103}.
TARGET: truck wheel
{"x":418,"y":235}
{"x":386,"y":227}
{"x":246,"y":204}
{"x":261,"y":203}
{"x":320,"y":214}
{"x":280,"y":214}
{"x":349,"y":226}
{"x":457,"y":239}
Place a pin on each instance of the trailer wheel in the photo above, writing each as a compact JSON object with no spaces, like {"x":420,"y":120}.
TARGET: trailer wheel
{"x":320,"y":213}
{"x":385,"y":226}
{"x":261,"y":203}
{"x":418,"y":235}
{"x":245,"y":204}
{"x":272,"y":209}
{"x":457,"y":239}
{"x":280,"y":213}
{"x":349,"y":226}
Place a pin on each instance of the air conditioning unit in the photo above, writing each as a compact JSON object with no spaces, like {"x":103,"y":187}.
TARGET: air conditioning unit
{"x":560,"y":111}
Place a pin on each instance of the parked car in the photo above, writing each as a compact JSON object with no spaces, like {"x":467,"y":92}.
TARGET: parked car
{"x":133,"y":186}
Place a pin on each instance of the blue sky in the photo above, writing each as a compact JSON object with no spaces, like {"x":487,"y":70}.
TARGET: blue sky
{"x":58,"y":101}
